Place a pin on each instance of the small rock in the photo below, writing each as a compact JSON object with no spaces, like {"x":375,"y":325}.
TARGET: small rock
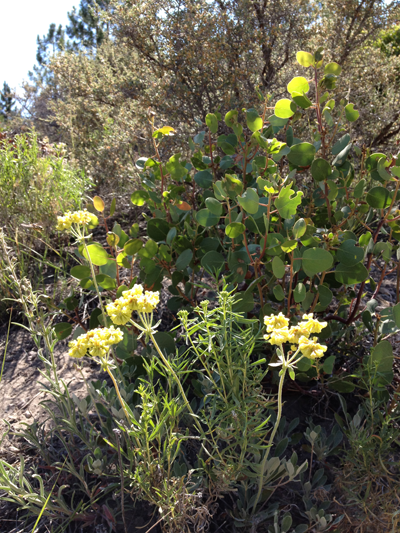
{"x":28,"y":414}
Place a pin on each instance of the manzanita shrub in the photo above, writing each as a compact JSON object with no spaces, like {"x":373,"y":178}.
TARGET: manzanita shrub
{"x":284,"y":206}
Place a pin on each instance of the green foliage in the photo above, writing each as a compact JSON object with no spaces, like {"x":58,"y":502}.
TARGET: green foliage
{"x":7,"y":102}
{"x":97,"y":101}
{"x":283,"y":227}
{"x":37,"y":182}
{"x":251,"y":208}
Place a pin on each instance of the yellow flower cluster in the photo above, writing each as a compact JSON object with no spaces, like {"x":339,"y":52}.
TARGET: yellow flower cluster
{"x":311,"y":349}
{"x":131,"y":300}
{"x":97,"y":341}
{"x":279,"y":332}
{"x":80,"y":218}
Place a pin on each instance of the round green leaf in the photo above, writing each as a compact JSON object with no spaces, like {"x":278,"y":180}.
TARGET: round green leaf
{"x":371,"y":162}
{"x":320,"y":169}
{"x":62,"y":330}
{"x":235,"y":229}
{"x":378,"y":197}
{"x":243,"y":302}
{"x":96,"y":313}
{"x":351,"y":113}
{"x":139,"y":198}
{"x":110,"y":269}
{"x":86,"y":283}
{"x":207,"y":245}
{"x":341,"y":144}
{"x":212,"y":122}
{"x":359,"y":189}
{"x":254,"y":121}
{"x":299,"y":228}
{"x":157,"y":229}
{"x":349,"y":254}
{"x":301,"y":154}
{"x":299,"y":293}
{"x":278,"y":293}
{"x":308,"y":300}
{"x":249,"y":201}
{"x":204,"y":179}
{"x":381,"y":360}
{"x":301,"y":100}
{"x":298,"y":85}
{"x":288,"y":201}
{"x":175,"y":168}
{"x":333,"y":68}
{"x":213,"y":262}
{"x":325,"y":296}
{"x":80,"y":272}
{"x":285,"y":108}
{"x":106,"y":282}
{"x":278,"y":267}
{"x":342,"y":385}
{"x":289,"y":246}
{"x":329,"y":362}
{"x":184,"y":259}
{"x":133,"y":246}
{"x":351,"y":275}
{"x":171,"y":235}
{"x":316,"y":260}
{"x":396,"y":315}
{"x":207,"y":219}
{"x":231,"y":118}
{"x":98,"y":255}
{"x":305,"y":59}
{"x":214,"y":206}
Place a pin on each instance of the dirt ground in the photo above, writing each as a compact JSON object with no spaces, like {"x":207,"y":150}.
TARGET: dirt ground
{"x":20,"y":388}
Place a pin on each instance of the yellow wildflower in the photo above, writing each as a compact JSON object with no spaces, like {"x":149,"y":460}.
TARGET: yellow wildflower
{"x":119,"y":311}
{"x":98,"y":341}
{"x":147,"y":302}
{"x":131,"y":300}
{"x":278,"y":336}
{"x":276,"y":322}
{"x":78,"y":347}
{"x":296,"y":332}
{"x":80,"y":218}
{"x":312,"y":325}
{"x":311,"y":349}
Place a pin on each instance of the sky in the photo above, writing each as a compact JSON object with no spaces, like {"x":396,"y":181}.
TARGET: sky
{"x":21,"y":22}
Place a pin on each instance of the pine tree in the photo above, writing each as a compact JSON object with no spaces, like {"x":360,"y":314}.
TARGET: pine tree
{"x":85,"y":28}
{"x":53,"y":42}
{"x":7,"y":102}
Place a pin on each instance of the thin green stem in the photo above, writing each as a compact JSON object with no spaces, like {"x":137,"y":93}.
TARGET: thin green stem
{"x":178,"y":382}
{"x":272,"y":436}
{"x":118,"y":393}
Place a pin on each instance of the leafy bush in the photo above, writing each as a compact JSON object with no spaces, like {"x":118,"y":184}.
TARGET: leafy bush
{"x":294,"y":226}
{"x":37,"y":182}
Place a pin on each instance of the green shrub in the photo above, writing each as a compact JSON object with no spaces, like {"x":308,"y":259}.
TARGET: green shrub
{"x":37,"y":182}
{"x":292,"y":225}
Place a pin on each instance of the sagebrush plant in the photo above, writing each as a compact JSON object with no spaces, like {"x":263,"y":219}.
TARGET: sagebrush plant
{"x":37,"y":182}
